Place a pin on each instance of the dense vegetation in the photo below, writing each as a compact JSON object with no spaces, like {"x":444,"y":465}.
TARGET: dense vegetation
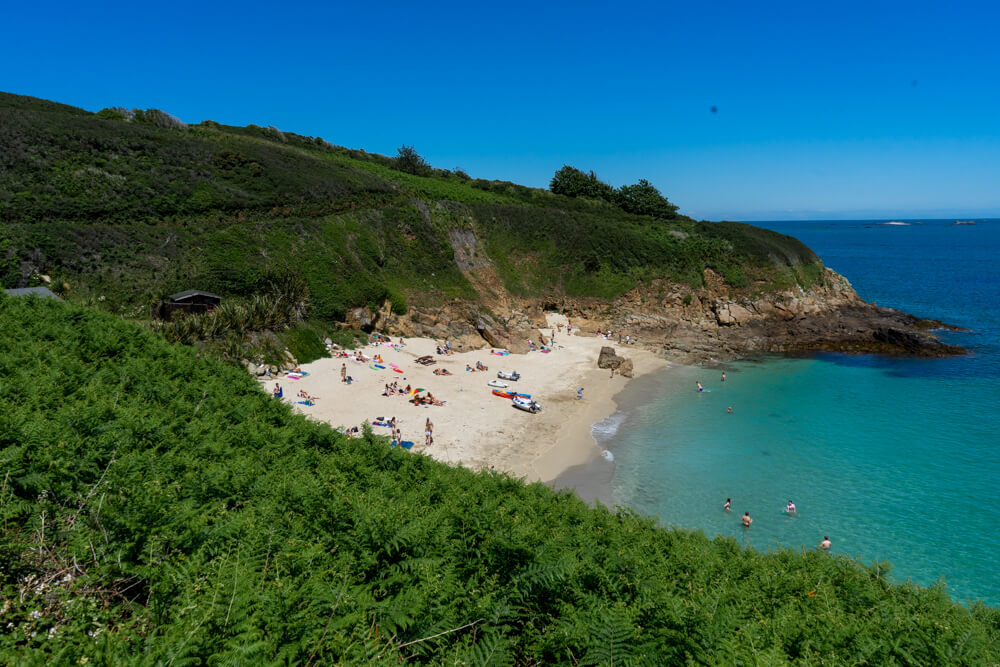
{"x":642,"y":198}
{"x":124,"y":206}
{"x":159,"y":507}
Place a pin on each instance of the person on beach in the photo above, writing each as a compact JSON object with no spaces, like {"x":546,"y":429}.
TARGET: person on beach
{"x":746,"y":519}
{"x":825,"y":544}
{"x":579,"y":393}
{"x":612,"y":371}
{"x":729,"y":505}
{"x":700,"y":388}
{"x":343,"y":372}
{"x":429,"y":432}
{"x":790,"y":508}
{"x":723,"y":376}
{"x":277,"y":393}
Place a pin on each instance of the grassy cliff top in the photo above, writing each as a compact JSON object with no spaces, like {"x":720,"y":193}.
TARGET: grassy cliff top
{"x":159,"y":507}
{"x":129,"y":205}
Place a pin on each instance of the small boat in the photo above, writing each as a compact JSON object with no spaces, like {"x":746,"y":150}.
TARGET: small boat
{"x":497,"y":383}
{"x":526,"y":404}
{"x":513,"y":376}
{"x":503,"y":394}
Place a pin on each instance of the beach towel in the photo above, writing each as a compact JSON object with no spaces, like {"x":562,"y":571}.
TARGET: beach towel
{"x":305,"y":402}
{"x":406,"y":444}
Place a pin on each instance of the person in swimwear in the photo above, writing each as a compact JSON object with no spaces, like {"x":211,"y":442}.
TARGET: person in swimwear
{"x":790,"y":508}
{"x":729,"y":505}
{"x":746,"y":519}
{"x":700,"y":388}
{"x":825,"y":544}
{"x":723,"y":376}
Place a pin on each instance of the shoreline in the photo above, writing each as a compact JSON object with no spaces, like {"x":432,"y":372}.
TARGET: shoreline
{"x":474,"y":428}
{"x":591,"y":479}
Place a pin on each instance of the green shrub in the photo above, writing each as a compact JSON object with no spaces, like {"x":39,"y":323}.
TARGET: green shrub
{"x":305,"y":341}
{"x":159,"y":507}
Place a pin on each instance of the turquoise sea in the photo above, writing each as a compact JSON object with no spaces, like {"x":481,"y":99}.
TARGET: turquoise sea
{"x":895,"y":459}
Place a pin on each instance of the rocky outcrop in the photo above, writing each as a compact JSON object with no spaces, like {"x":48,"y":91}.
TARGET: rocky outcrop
{"x":711,"y":322}
{"x":608,"y":358}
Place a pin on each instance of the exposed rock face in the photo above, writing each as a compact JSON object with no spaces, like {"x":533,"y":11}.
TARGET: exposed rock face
{"x":686,"y":324}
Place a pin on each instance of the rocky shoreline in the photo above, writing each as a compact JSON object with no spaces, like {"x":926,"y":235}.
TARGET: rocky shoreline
{"x":711,"y":323}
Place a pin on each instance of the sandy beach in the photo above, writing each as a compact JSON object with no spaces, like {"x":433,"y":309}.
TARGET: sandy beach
{"x":474,"y":428}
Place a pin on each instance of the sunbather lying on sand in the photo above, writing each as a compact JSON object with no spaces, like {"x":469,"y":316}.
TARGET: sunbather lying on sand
{"x":481,"y":367}
{"x":442,"y":371}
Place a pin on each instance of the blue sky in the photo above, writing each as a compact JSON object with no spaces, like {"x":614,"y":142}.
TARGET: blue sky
{"x":824,"y":110}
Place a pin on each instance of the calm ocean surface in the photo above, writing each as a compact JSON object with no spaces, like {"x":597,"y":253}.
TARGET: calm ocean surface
{"x":894,"y":459}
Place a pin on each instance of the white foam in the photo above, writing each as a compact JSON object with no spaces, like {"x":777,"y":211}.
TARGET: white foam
{"x":606,"y":428}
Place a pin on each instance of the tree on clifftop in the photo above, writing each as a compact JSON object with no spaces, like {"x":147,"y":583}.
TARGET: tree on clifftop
{"x":644,"y":199}
{"x":572,"y":182}
{"x":408,"y":159}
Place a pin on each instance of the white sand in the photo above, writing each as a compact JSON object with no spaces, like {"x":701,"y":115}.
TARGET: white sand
{"x":475,"y":428}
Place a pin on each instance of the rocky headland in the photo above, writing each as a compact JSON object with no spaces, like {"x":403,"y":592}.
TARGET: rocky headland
{"x":684,"y":324}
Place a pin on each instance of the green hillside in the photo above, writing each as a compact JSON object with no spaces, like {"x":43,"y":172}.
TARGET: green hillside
{"x":119,"y":208}
{"x":159,"y":508}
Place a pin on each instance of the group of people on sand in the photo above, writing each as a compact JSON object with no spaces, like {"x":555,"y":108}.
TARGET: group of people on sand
{"x":790,"y":509}
{"x":609,"y":335}
{"x":480,"y":366}
{"x":394,"y":389}
{"x":444,"y":349}
{"x":426,"y":400}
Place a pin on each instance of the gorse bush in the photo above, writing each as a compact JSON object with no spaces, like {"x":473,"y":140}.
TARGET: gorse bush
{"x":160,"y":508}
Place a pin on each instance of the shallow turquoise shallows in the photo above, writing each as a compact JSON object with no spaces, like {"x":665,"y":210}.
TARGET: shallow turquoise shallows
{"x":893,"y":459}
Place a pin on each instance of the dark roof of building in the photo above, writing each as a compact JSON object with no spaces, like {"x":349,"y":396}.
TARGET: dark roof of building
{"x":40,"y":292}
{"x":180,"y":296}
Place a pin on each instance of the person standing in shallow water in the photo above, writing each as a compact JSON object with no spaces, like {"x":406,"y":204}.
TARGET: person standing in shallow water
{"x":723,"y":376}
{"x":729,"y":505}
{"x":700,"y":388}
{"x":825,"y":544}
{"x":746,"y":519}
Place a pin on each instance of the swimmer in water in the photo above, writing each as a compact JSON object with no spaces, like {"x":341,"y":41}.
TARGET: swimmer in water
{"x":723,"y":376}
{"x":825,"y":544}
{"x":729,"y":409}
{"x":729,"y":505}
{"x":790,"y":509}
{"x":746,"y":519}
{"x":700,"y":388}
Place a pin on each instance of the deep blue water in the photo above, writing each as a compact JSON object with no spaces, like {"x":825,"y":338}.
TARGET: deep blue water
{"x":894,"y":459}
